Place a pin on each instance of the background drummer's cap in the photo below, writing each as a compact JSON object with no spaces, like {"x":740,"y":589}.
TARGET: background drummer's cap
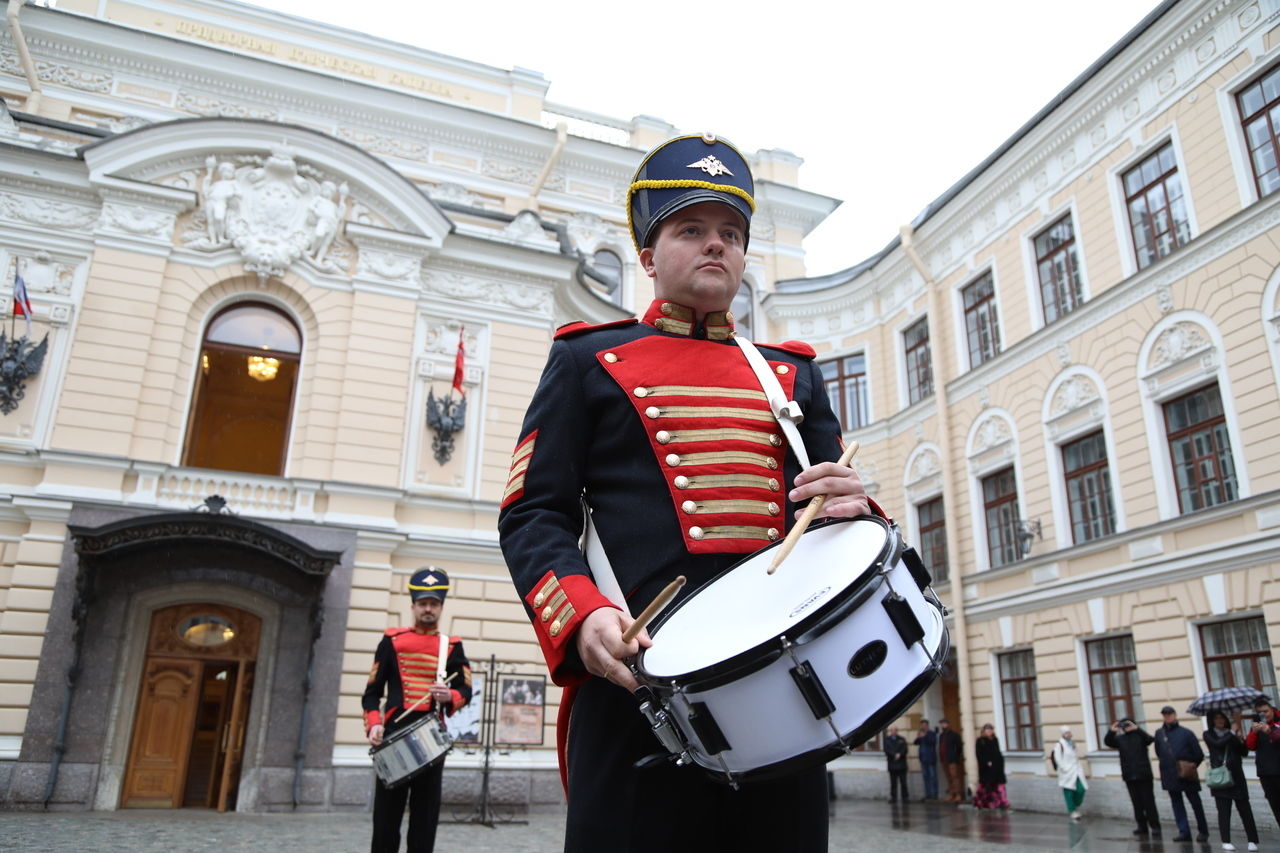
{"x":684,"y":171}
{"x":429,"y":582}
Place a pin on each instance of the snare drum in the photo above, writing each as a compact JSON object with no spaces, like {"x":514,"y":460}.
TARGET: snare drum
{"x":410,"y":751}
{"x":755,"y":675}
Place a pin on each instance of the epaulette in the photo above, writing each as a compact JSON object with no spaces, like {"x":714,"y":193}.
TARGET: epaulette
{"x":799,"y":348}
{"x":578,"y":327}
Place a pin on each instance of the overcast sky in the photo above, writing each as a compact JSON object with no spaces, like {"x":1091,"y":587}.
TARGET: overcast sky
{"x":889,"y":104}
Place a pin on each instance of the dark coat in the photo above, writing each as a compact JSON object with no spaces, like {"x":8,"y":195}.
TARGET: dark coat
{"x":928,"y":743}
{"x":950,"y":747}
{"x":1266,"y":750}
{"x":1174,"y":743}
{"x":1135,"y":760}
{"x":895,"y":751}
{"x":990,"y":761}
{"x":1226,"y":748}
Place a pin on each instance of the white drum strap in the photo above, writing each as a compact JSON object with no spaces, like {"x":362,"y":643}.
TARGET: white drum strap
{"x":598,"y":562}
{"x":441,"y":659}
{"x":787,"y":412}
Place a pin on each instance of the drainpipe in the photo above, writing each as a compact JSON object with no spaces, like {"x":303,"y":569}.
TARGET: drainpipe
{"x":960,"y":636}
{"x":24,"y":57}
{"x":79,"y":614}
{"x":300,"y":753}
{"x":562,"y":136}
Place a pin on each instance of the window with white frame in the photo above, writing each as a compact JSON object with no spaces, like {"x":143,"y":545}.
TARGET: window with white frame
{"x":932,"y":525}
{"x":1237,"y":653}
{"x":1157,"y":210}
{"x":1000,"y":508}
{"x":1113,"y":682}
{"x":1058,"y":268}
{"x":1200,"y":449}
{"x":846,"y":382}
{"x":1259,"y":105}
{"x":915,"y":341}
{"x":981,"y":325}
{"x":1087,"y":477}
{"x":1020,"y":700}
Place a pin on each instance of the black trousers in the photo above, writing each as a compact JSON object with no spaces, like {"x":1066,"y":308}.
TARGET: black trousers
{"x":898,"y":785}
{"x":1142,"y":794}
{"x":616,"y":807}
{"x":423,"y":796}
{"x":1246,"y":817}
{"x":1271,"y":787}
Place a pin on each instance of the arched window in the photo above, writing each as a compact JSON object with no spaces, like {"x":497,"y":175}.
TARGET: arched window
{"x":244,"y":391}
{"x":609,"y":266}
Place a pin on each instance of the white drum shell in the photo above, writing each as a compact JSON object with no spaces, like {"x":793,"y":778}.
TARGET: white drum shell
{"x":410,"y":751}
{"x":763,"y":715}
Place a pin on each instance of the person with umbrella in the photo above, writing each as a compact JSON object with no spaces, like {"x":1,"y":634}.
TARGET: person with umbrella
{"x":1180,"y":753}
{"x":1264,"y":740}
{"x":1227,"y":749}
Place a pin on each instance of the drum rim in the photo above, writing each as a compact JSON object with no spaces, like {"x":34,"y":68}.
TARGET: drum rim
{"x":762,"y":654}
{"x":403,"y":732}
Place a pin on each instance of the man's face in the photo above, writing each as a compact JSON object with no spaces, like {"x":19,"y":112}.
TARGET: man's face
{"x":944,"y":725}
{"x":1171,"y":717}
{"x":893,"y":731}
{"x":426,"y":612}
{"x":698,"y":257}
{"x":1268,"y":713}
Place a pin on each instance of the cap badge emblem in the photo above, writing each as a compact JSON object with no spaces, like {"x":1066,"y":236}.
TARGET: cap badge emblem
{"x":711,"y":165}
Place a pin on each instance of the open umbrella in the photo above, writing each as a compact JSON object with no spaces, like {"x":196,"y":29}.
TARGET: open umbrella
{"x":1227,"y":700}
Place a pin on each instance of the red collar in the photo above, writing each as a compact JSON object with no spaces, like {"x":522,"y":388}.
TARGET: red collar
{"x":667,"y":316}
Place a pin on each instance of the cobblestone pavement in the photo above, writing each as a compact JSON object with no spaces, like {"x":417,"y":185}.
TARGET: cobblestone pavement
{"x":857,"y":825}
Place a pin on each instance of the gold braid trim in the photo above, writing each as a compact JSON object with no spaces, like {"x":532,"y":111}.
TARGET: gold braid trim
{"x":674,"y":184}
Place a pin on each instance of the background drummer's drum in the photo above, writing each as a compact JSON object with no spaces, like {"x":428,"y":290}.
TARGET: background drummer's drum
{"x":410,"y":751}
{"x":765,"y":673}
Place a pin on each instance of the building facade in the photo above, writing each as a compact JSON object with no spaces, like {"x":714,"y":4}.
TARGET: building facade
{"x":254,"y":246}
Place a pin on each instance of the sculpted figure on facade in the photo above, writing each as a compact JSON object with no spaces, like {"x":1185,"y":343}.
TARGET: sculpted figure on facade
{"x":219,"y":198}
{"x":326,"y":211}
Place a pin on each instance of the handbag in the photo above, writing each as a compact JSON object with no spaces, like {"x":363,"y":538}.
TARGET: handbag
{"x":1219,"y":777}
{"x":1189,"y":770}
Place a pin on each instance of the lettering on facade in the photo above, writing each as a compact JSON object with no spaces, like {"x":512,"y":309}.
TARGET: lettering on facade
{"x":331,"y":63}
{"x":216,"y":35}
{"x":420,"y":84}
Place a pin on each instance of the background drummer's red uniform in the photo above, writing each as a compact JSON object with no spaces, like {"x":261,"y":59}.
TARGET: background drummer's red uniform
{"x":404,"y":667}
{"x":664,"y":429}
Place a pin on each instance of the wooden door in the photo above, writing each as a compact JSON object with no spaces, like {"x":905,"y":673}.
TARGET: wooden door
{"x":161,"y":742}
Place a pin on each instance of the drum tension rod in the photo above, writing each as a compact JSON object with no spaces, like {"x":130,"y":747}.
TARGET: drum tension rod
{"x":800,"y":665}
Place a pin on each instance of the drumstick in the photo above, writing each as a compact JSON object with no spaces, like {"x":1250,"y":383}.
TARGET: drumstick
{"x":810,"y":512}
{"x":660,"y":601}
{"x":425,"y":697}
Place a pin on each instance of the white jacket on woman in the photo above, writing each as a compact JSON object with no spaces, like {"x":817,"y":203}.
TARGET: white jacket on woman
{"x":1068,"y":761}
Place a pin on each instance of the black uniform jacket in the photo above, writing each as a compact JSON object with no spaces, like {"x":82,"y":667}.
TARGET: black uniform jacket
{"x":670,"y":440}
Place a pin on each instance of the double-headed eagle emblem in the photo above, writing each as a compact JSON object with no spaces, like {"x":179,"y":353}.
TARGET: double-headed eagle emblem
{"x":711,"y":165}
{"x":20,"y":360}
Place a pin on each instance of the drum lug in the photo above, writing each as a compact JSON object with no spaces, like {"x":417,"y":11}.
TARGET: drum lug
{"x":803,"y":673}
{"x":663,"y":728}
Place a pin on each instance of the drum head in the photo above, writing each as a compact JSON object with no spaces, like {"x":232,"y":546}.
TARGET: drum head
{"x":746,"y":607}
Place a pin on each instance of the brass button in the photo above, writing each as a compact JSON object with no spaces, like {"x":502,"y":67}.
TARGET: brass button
{"x":774,"y":509}
{"x":773,"y":484}
{"x":641,"y":391}
{"x":610,"y":357}
{"x":659,"y":324}
{"x":695,"y":533}
{"x":728,"y":316}
{"x":662,"y":436}
{"x":666,"y":308}
{"x":773,"y":464}
{"x":673,"y":459}
{"x":652,"y":412}
{"x":555,"y":627}
{"x":775,"y":440}
{"x":783,"y":369}
{"x":773,"y":533}
{"x":539,"y":598}
{"x":546,"y":613}
{"x":689,"y":506}
{"x":682,"y":482}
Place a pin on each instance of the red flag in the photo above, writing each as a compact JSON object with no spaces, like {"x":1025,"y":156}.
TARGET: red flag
{"x":22,"y":303}
{"x":459,"y":365}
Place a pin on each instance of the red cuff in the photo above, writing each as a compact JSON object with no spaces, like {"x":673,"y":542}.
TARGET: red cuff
{"x":455,"y":702}
{"x":559,"y":605}
{"x":371,"y":719}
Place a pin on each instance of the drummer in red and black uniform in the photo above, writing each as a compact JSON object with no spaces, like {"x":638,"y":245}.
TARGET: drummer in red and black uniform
{"x":662,"y":427}
{"x":406,"y":666}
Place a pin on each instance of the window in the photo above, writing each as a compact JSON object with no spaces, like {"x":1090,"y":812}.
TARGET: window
{"x":846,"y":381}
{"x":1000,"y":504}
{"x":1084,"y":463}
{"x":743,"y":309}
{"x":1157,"y":210}
{"x":1259,"y":105}
{"x":981,"y":325}
{"x":1020,"y":699}
{"x":919,"y":362}
{"x":1058,"y":269}
{"x":244,"y":391}
{"x":933,"y":538}
{"x":1200,"y":449}
{"x":1113,"y":682}
{"x":1237,"y":654}
{"x":609,"y":267}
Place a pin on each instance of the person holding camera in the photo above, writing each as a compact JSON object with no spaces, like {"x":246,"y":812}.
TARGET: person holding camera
{"x":1134,"y":744}
{"x":1264,"y":742}
{"x":1227,"y":750}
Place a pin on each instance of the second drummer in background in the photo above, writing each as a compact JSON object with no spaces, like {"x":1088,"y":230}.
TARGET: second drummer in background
{"x":662,"y":426}
{"x":405,"y":668}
